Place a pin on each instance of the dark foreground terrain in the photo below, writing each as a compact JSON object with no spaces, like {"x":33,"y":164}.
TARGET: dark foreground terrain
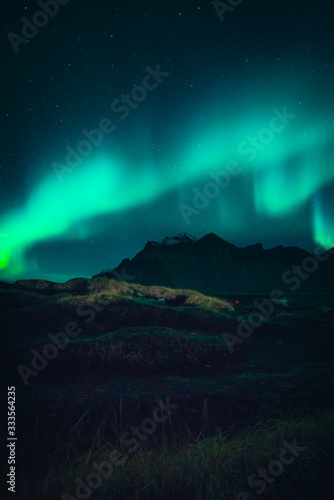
{"x":142,"y":392}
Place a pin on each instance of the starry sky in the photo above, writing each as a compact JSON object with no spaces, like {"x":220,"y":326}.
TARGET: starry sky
{"x":124,"y":122}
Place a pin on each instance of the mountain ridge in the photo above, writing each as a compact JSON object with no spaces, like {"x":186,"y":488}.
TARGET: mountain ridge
{"x":215,"y":266}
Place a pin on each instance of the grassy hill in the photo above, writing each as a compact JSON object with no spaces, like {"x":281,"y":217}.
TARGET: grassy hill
{"x":137,"y":347}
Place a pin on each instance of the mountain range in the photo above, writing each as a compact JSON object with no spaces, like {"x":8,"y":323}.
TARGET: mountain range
{"x":212,"y":265}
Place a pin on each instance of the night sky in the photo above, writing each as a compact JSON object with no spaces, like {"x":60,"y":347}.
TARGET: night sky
{"x":124,"y":122}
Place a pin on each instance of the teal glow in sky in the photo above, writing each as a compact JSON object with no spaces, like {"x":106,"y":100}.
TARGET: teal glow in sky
{"x":54,"y":208}
{"x":283,"y":179}
{"x":323,"y":221}
{"x":237,"y":91}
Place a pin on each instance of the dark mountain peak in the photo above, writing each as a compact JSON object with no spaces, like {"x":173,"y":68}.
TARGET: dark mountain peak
{"x":293,"y":252}
{"x":257,"y":245}
{"x":214,"y":266}
{"x":213,"y":240}
{"x":254,"y":249}
{"x":151,"y":244}
{"x":179,"y":238}
{"x":212,"y":236}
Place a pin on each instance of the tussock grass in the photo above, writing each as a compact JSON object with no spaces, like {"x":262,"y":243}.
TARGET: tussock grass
{"x":212,"y":468}
{"x":115,"y":290}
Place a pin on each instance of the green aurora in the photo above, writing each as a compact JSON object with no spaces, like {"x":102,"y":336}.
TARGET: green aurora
{"x":286,"y":165}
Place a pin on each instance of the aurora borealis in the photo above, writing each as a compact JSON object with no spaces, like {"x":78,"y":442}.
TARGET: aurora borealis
{"x":254,"y":91}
